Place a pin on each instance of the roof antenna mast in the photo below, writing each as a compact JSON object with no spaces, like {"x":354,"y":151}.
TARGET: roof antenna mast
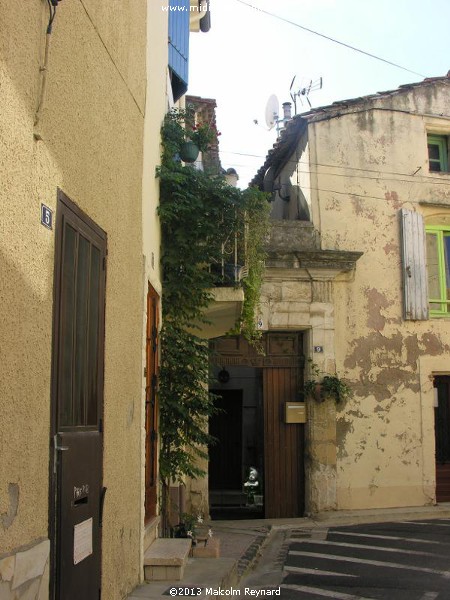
{"x":304,"y":91}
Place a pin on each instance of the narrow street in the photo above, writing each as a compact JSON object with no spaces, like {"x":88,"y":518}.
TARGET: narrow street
{"x":383,"y":561}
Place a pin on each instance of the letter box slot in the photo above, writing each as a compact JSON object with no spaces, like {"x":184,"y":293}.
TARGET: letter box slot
{"x":78,"y":501}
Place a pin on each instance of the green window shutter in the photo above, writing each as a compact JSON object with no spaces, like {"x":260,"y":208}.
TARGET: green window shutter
{"x":415,"y":284}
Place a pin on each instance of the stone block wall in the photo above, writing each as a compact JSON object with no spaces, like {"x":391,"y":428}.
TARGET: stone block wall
{"x":25,"y":575}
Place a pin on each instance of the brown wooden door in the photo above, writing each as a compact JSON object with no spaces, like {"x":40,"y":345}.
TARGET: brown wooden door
{"x":76,"y":493}
{"x":283,"y":446}
{"x":442,"y":437}
{"x":151,"y":405}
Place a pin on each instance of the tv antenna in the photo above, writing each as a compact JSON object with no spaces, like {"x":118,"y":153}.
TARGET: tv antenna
{"x":304,"y":91}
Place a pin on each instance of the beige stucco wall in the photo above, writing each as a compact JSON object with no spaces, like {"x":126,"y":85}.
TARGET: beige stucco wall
{"x":385,"y":434}
{"x":91,"y":131}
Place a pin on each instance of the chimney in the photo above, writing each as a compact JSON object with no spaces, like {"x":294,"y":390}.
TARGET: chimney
{"x":286,"y":112}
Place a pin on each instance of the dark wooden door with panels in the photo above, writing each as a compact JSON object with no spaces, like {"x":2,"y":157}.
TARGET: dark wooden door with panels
{"x":76,"y":491}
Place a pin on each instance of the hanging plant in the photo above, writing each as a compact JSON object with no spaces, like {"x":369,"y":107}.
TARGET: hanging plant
{"x":256,"y":215}
{"x":320,"y":387}
{"x":189,"y":152}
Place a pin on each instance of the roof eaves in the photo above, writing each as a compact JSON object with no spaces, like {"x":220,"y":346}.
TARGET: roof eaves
{"x":282,"y":150}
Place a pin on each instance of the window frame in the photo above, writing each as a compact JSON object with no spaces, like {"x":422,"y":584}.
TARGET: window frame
{"x":440,"y":231}
{"x":441,"y":141}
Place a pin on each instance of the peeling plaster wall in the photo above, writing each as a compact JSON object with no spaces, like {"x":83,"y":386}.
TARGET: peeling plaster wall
{"x":385,"y":434}
{"x":378,"y":449}
{"x":91,"y":140}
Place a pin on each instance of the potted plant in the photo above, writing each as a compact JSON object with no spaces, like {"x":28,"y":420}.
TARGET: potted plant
{"x":189,"y":151}
{"x":321,"y":386}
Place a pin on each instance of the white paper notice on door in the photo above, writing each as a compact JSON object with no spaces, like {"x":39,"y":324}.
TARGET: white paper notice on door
{"x":82,"y":541}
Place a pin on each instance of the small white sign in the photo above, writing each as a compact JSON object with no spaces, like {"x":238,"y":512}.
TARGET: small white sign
{"x":82,"y":540}
{"x":436,"y":398}
{"x":318,"y":348}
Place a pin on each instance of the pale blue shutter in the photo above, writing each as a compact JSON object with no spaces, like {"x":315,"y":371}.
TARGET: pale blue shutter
{"x":414,"y":266}
{"x":179,"y":45}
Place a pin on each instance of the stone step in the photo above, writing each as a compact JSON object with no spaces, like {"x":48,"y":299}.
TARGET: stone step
{"x":165,"y":559}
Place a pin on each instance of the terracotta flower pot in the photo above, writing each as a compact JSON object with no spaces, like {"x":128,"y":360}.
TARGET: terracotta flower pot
{"x":318,"y":393}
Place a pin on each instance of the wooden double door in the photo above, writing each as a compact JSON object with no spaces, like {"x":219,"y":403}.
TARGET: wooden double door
{"x":283,"y":443}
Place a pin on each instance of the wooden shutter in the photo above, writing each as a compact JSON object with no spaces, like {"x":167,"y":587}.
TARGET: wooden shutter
{"x":415,"y":284}
{"x":179,"y":45}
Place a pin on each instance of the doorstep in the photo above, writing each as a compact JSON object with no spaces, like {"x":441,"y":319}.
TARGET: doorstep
{"x":166,"y":559}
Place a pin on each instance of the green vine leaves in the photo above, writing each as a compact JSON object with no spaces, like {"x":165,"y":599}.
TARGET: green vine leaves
{"x":198,"y":212}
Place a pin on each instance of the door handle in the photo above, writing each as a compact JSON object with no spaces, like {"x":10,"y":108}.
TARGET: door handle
{"x":57,"y":448}
{"x":102,"y":502}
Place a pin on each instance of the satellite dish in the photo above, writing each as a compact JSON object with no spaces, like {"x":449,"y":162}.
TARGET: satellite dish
{"x":272,"y":109}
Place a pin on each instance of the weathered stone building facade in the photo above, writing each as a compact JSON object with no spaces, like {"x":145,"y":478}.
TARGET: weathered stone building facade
{"x":361,"y":209}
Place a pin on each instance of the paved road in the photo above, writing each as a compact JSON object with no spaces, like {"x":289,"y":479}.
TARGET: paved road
{"x":387,"y":561}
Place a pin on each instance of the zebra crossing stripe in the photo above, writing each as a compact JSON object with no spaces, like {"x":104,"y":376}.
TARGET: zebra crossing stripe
{"x":385,"y":537}
{"x":366,"y":561}
{"x":290,"y":569}
{"x":366,"y":547}
{"x":318,"y":592}
{"x":434,"y":523}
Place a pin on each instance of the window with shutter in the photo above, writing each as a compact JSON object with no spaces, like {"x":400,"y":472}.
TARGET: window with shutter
{"x":414,"y":266}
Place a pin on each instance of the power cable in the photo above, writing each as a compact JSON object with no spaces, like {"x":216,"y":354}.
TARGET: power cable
{"x":382,"y":174}
{"x":266,"y":12}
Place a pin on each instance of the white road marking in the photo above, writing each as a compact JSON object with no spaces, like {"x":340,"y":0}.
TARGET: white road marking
{"x":430,"y":595}
{"x":382,"y":548}
{"x":365,"y":561}
{"x":435,"y":523}
{"x":316,"y":572}
{"x":386,"y":537}
{"x":327,"y":593}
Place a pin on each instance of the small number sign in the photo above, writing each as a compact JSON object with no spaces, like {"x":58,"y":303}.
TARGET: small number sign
{"x":46,"y":216}
{"x":318,"y":348}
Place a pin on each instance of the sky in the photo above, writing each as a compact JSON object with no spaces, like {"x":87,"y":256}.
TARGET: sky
{"x":248,"y":55}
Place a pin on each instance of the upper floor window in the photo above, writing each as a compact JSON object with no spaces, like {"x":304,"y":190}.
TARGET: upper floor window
{"x":438,"y":153}
{"x":438,"y":268}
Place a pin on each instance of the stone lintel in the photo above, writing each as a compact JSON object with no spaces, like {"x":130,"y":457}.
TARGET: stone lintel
{"x":333,"y":261}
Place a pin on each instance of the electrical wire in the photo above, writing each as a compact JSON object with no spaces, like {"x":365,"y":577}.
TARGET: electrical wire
{"x":266,"y":12}
{"x":52,"y":16}
{"x":382,"y":174}
{"x":44,"y":68}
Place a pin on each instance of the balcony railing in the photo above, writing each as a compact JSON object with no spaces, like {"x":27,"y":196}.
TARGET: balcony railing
{"x":232,"y":268}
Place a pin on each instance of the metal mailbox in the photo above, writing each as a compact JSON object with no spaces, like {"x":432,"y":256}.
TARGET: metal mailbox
{"x":295,"y":412}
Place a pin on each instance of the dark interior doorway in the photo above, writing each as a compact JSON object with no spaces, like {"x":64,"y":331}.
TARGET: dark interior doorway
{"x":226,"y":455}
{"x":442,"y":437}
{"x":238,"y":429}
